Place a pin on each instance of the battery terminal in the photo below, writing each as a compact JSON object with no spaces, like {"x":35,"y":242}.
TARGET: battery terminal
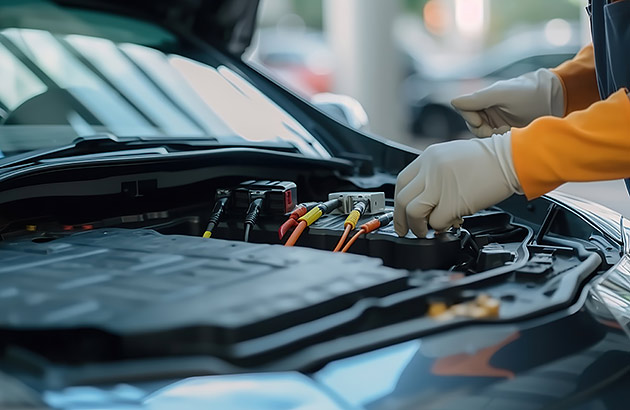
{"x":375,"y":202}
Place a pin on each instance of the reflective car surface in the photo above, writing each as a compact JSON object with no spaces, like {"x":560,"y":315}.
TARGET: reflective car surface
{"x":429,"y":91}
{"x":147,"y":182}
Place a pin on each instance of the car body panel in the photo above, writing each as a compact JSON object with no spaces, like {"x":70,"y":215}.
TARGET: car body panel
{"x":510,"y":367}
{"x":576,"y":356}
{"x":542,"y":363}
{"x":605,"y":219}
{"x":227,"y":24}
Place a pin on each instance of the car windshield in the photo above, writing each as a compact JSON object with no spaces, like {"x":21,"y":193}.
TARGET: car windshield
{"x":71,"y":72}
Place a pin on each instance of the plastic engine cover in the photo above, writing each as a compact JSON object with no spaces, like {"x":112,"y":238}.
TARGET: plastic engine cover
{"x":154,"y":294}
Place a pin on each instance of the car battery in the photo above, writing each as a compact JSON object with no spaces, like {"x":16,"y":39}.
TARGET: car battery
{"x":433,"y":252}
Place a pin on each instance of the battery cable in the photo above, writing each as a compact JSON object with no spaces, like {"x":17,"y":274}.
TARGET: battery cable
{"x":311,"y":217}
{"x":217,"y":214}
{"x":292,"y":222}
{"x":251,"y":217}
{"x":368,"y":227}
{"x":351,"y":222}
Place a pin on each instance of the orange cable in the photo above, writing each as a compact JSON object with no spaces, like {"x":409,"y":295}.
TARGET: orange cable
{"x":346,"y":232}
{"x":296,"y":233}
{"x":353,"y":240}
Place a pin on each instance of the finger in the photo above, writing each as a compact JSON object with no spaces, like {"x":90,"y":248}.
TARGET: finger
{"x":400,"y":218}
{"x":442,"y":219}
{"x":406,"y":175}
{"x":410,"y":192}
{"x":496,"y":118}
{"x":418,"y":212}
{"x":482,"y":132}
{"x":472,"y":117}
{"x":472,"y":129}
{"x":502,"y":130}
{"x":455,"y":223}
{"x":469,"y":102}
{"x":404,"y":178}
{"x":402,"y":200}
{"x":400,"y":223}
{"x":458,"y":223}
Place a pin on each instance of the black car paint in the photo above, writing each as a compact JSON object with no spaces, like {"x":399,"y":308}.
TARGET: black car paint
{"x":536,"y":357}
{"x":228,"y":25}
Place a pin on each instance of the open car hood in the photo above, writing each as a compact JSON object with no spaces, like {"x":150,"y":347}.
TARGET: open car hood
{"x":228,"y":24}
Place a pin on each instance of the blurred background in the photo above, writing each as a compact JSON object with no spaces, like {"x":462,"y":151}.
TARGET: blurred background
{"x":404,"y":60}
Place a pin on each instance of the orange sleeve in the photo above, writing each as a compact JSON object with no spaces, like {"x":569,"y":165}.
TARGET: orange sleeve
{"x":579,"y":81}
{"x":588,"y":145}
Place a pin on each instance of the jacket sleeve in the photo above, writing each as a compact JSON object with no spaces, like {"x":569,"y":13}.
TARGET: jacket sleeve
{"x":588,"y":145}
{"x":579,"y":81}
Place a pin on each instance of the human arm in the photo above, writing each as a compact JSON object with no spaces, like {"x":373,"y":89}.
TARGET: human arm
{"x":455,"y":179}
{"x":587,"y":145}
{"x":517,"y":102}
{"x":579,"y":81}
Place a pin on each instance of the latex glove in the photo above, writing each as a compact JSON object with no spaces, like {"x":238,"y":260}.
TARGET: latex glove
{"x":451,"y":180}
{"x":512,"y":103}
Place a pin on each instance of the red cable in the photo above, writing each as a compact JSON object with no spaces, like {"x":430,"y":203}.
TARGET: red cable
{"x":346,"y":232}
{"x":296,"y":233}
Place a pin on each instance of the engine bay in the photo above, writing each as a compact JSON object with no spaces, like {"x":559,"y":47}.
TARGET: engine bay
{"x":195,"y":280}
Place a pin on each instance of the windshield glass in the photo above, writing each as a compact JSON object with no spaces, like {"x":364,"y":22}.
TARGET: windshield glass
{"x":69,"y":72}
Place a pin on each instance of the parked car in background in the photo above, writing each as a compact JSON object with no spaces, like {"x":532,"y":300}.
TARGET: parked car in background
{"x":147,"y":169}
{"x":297,"y":57}
{"x":429,"y":90}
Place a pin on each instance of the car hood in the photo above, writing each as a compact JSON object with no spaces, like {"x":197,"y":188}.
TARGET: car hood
{"x":228,"y":24}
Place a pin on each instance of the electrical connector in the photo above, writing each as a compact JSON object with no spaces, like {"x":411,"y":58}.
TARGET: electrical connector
{"x":359,"y":209}
{"x":223,"y":196}
{"x":254,"y":198}
{"x":375,"y":201}
{"x":321,"y":209}
{"x":280,"y":196}
{"x":351,"y":222}
{"x":376,"y":223}
{"x":292,"y":222}
{"x":311,"y":216}
{"x":252,"y":216}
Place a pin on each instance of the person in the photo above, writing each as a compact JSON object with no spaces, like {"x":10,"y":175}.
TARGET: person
{"x":538,"y":131}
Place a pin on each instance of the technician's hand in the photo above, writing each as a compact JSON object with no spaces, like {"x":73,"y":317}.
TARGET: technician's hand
{"x":512,"y":103}
{"x":451,"y":180}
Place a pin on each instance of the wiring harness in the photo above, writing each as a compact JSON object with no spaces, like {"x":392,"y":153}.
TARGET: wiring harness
{"x":292,"y":222}
{"x":311,"y":217}
{"x":351,"y":222}
{"x":371,"y":226}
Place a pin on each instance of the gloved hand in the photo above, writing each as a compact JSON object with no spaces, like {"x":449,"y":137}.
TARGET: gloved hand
{"x":451,"y":180}
{"x":512,"y":103}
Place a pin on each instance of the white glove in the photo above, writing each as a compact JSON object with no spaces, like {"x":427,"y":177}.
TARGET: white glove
{"x":451,"y":180}
{"x":512,"y":103}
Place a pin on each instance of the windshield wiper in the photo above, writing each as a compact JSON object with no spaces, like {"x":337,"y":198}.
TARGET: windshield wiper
{"x":110,"y":144}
